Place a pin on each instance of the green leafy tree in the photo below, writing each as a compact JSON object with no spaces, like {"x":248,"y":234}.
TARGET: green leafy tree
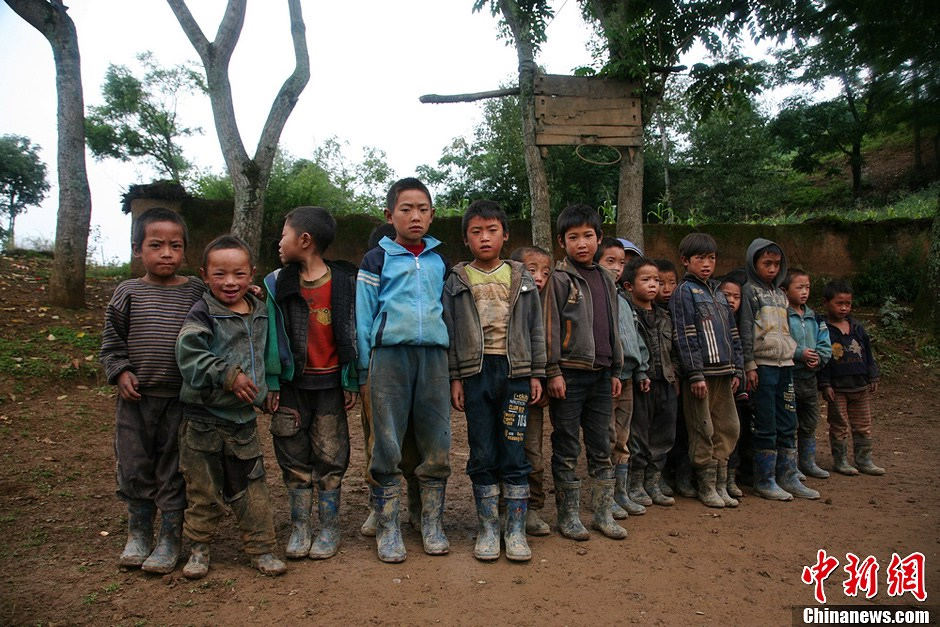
{"x":22,"y":180}
{"x":139,"y":116}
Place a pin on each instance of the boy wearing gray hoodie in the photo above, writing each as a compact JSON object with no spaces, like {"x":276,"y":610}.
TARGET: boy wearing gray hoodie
{"x":768,"y":365}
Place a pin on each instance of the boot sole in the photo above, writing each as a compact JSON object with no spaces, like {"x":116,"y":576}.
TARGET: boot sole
{"x":392,"y":559}
{"x":162,"y":569}
{"x":518,"y":558}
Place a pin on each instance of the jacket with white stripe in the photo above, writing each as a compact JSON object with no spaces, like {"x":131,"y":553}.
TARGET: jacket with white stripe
{"x":398,"y":299}
{"x":706,"y":336}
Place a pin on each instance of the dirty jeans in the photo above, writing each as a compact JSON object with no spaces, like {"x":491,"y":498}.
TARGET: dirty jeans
{"x":146,"y":447}
{"x":222,"y":465}
{"x":586,"y":408}
{"x":311,"y":437}
{"x":774,"y":409}
{"x":409,"y":386}
{"x":807,"y":406}
{"x":653,"y":429}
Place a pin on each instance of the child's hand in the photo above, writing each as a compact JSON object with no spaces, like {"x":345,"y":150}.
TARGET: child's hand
{"x":456,"y":394}
{"x":127,"y":386}
{"x":735,"y":384}
{"x":873,"y":387}
{"x":829,"y":394}
{"x":272,"y":401}
{"x":257,"y":292}
{"x":556,"y":387}
{"x":535,"y":391}
{"x":349,"y":399}
{"x":810,"y":358}
{"x":700,"y":389}
{"x":645,"y":385}
{"x":751,"y":380}
{"x":244,"y":388}
{"x":615,"y":387}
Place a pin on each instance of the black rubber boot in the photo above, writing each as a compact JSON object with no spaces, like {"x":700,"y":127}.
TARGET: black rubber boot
{"x":167,"y":553}
{"x":787,"y":475}
{"x":840,"y":457}
{"x":568,"y":504}
{"x":327,"y":543}
{"x":517,"y":499}
{"x":298,"y":545}
{"x":432,"y":518}
{"x":602,"y":497}
{"x":635,"y":489}
{"x":863,"y":456}
{"x":621,"y":497}
{"x":139,"y":533}
{"x":765,"y":476}
{"x":652,"y":485}
{"x":705,"y":477}
{"x":806,"y":461}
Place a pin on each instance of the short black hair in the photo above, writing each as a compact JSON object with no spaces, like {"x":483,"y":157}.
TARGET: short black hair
{"x":630,"y":270}
{"x":836,"y":287}
{"x":227,"y":242}
{"x":386,"y":229}
{"x":486,"y":209}
{"x":737,"y":276}
{"x":607,"y":242}
{"x":697,"y":244}
{"x":316,"y":221}
{"x":522,"y":252}
{"x":156,"y":214}
{"x":791,"y":274}
{"x":664,"y":265}
{"x":578,"y":215}
{"x":772,"y":249}
{"x":402,"y":185}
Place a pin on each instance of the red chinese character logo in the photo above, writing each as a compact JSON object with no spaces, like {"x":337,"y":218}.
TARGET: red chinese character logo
{"x":907,"y":575}
{"x":819,"y":572}
{"x":861,"y":576}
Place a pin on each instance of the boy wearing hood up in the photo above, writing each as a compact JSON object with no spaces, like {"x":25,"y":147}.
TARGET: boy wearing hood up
{"x":768,"y":364}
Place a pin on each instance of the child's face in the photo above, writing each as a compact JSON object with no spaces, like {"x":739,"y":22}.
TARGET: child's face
{"x":702,"y":265}
{"x":798,"y":291}
{"x":667,"y":285}
{"x":768,"y":267}
{"x":162,"y":250}
{"x":580,"y":243}
{"x":539,"y":266}
{"x":732,"y":292}
{"x":839,"y":307}
{"x":485,"y":238}
{"x":411,"y":216}
{"x":228,"y":274}
{"x":645,"y":284}
{"x":613,"y":259}
{"x":292,"y":244}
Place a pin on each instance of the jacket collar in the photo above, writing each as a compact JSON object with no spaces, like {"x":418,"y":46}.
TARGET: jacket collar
{"x":218,"y":309}
{"x":394,"y":248}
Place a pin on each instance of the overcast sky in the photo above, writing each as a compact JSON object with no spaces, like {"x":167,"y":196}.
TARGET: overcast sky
{"x":370,"y":60}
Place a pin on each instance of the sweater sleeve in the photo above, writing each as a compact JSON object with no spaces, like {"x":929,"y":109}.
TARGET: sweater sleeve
{"x":823,"y":343}
{"x":114,"y":354}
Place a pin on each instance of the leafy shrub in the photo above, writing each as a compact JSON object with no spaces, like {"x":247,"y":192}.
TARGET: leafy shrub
{"x":889,"y":276}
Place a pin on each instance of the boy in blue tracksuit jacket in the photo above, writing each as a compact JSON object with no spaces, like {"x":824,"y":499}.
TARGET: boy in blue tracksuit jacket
{"x":813,"y":350}
{"x":402,"y":346}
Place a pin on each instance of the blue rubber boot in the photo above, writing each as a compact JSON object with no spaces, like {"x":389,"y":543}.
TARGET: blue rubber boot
{"x":327,"y":543}
{"x":487,"y":544}
{"x":432,"y":517}
{"x":765,"y":469}
{"x":301,"y":500}
{"x":517,"y":500}
{"x":863,"y":456}
{"x":568,"y":504}
{"x":167,"y":552}
{"x":787,"y":477}
{"x":621,"y":497}
{"x":389,"y":544}
{"x":139,"y":533}
{"x":807,"y":459}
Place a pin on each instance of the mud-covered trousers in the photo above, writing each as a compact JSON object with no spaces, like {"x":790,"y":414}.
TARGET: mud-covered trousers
{"x":146,"y":450}
{"x":223,"y":466}
{"x":653,"y":428}
{"x":586,"y":408}
{"x":311,"y":437}
{"x":409,"y":385}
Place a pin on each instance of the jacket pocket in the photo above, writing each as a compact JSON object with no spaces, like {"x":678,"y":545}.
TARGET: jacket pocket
{"x":201,"y":437}
{"x":285,"y":423}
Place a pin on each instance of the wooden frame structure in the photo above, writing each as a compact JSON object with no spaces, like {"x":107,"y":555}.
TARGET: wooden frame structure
{"x":586,"y":110}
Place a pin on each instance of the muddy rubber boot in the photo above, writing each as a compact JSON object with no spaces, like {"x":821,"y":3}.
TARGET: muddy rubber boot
{"x":602,"y":496}
{"x":787,"y":475}
{"x":652,"y":484}
{"x":414,"y":503}
{"x":863,"y":456}
{"x":635,"y":489}
{"x":664,"y":486}
{"x":432,"y":518}
{"x":684,"y":485}
{"x":268,"y":564}
{"x":621,"y":497}
{"x":368,"y":525}
{"x":139,"y":533}
{"x":706,"y":477}
{"x":487,"y":543}
{"x":298,"y":545}
{"x":618,"y":512}
{"x":389,"y":544}
{"x":721,"y":485}
{"x":807,"y":459}
{"x":517,"y":500}
{"x":840,"y":457}
{"x":167,"y":553}
{"x":765,"y":472}
{"x":568,"y":505}
{"x":327,"y":543}
{"x":534,"y":525}
{"x":731,"y":486}
{"x":198,"y":565}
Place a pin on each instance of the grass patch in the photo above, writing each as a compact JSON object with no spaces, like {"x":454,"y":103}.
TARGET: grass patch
{"x":57,"y":352}
{"x":116,"y":271}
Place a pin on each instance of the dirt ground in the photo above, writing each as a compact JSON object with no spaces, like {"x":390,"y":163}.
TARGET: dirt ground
{"x":62,"y":529}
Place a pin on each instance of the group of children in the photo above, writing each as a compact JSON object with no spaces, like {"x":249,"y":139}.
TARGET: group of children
{"x":655,"y":374}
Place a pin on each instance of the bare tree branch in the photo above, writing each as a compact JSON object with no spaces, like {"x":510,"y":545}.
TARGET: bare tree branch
{"x":471,"y":97}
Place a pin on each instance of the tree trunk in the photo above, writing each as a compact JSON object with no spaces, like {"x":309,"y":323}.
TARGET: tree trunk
{"x":67,"y":282}
{"x":630,"y":196}
{"x":249,"y":175}
{"x":534,"y":166}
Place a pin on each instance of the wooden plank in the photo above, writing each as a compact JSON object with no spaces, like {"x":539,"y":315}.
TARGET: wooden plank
{"x":619,"y":111}
{"x":609,"y":117}
{"x":587,"y":86}
{"x":575,"y":140}
{"x":607,"y":130}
